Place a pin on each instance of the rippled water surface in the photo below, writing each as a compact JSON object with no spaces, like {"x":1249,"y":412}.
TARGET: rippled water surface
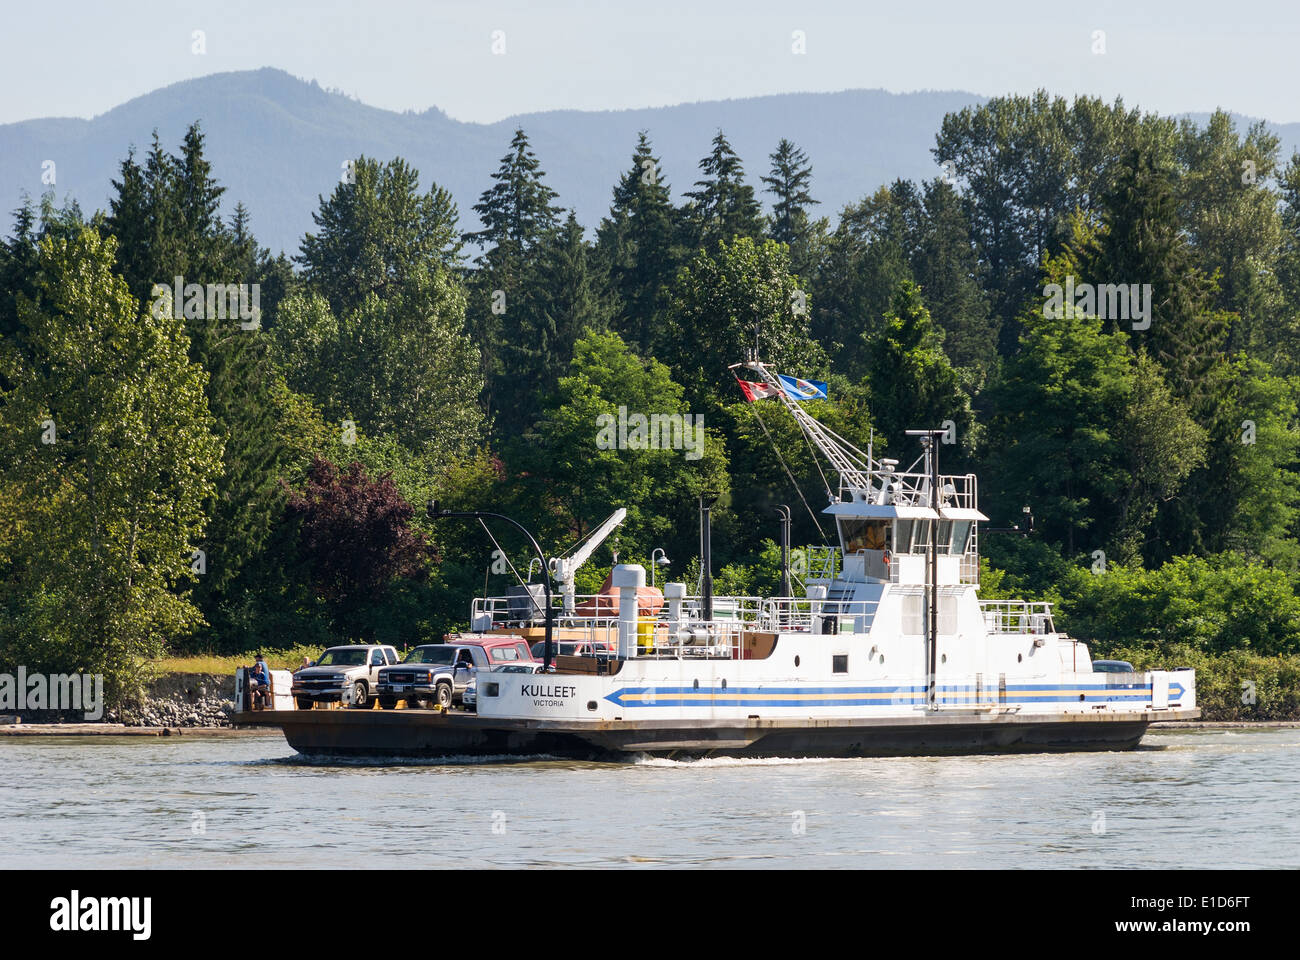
{"x":1202,"y":798}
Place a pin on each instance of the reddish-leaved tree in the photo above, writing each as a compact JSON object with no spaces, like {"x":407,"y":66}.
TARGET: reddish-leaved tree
{"x":356,"y":537}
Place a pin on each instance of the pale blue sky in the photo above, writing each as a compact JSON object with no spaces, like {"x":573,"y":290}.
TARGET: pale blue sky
{"x":82,"y":58}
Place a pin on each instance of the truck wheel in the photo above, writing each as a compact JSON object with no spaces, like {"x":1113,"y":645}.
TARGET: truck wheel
{"x":387,"y":703}
{"x":444,"y":695}
{"x":304,"y":703}
{"x":360,"y":695}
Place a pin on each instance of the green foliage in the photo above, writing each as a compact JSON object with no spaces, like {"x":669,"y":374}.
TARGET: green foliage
{"x":637,"y":246}
{"x":726,"y":302}
{"x":576,"y":464}
{"x":561,"y":300}
{"x":377,"y":233}
{"x":110,"y":447}
{"x":1211,"y":604}
{"x":912,"y":384}
{"x":399,"y":366}
{"x":1227,"y":683}
{"x":722,"y":206}
{"x":1174,"y":449}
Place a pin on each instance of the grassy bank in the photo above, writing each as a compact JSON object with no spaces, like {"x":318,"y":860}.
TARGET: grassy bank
{"x":211,"y":663}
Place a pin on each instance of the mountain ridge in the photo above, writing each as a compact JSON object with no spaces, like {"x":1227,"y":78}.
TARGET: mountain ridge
{"x":279,"y":142}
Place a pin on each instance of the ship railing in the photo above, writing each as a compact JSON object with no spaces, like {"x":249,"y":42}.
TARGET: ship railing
{"x":822,"y":562}
{"x":601,"y":610}
{"x":1017,"y":616}
{"x":804,"y":615}
{"x":692,"y":639}
{"x":913,"y":489}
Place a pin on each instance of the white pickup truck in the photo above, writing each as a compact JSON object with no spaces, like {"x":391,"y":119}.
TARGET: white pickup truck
{"x":349,"y":674}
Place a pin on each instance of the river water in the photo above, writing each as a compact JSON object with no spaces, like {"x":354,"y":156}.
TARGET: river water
{"x":1185,"y":798}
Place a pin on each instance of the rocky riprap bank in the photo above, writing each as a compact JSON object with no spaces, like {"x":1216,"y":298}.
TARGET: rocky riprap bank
{"x":182,"y":700}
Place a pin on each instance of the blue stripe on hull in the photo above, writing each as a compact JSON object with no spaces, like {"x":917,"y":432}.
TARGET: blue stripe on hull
{"x":913,"y":694}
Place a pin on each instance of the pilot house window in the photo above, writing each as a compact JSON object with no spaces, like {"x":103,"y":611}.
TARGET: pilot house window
{"x":864,"y":535}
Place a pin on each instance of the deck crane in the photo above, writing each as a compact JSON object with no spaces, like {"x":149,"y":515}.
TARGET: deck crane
{"x":563,"y":569}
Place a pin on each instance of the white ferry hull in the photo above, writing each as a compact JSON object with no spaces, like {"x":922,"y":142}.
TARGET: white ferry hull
{"x":427,"y":734}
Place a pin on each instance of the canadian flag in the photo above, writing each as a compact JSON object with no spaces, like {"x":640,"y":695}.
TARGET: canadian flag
{"x":756,"y":391}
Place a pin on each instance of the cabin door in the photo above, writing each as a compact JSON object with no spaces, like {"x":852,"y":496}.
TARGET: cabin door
{"x":1160,"y":693}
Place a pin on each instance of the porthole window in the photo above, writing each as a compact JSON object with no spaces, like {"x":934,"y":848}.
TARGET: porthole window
{"x":840,"y":663}
{"x":943,"y":658}
{"x":796,"y":659}
{"x":724,"y":683}
{"x":696,"y":685}
{"x":1020,"y":657}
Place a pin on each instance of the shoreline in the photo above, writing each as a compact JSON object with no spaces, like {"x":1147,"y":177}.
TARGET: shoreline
{"x":123,"y":730}
{"x":119,"y":730}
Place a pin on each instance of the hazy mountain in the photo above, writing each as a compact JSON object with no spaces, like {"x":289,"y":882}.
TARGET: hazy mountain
{"x":277,"y":143}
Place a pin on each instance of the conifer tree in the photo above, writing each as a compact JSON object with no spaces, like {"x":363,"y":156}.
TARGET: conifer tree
{"x":517,"y":216}
{"x":788,"y":182}
{"x":637,"y":245}
{"x":377,"y":230}
{"x":722,"y":204}
{"x":561,"y":301}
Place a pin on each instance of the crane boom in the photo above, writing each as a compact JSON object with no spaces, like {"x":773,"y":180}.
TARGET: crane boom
{"x":563,"y":569}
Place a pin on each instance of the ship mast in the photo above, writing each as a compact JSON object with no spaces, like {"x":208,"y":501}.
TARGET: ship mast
{"x":930,"y":441}
{"x":854,"y":467}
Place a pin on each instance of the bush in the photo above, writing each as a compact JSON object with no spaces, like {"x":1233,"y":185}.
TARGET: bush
{"x":1217,"y":604}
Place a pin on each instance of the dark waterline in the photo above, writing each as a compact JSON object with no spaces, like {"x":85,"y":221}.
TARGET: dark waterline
{"x":1186,"y":798}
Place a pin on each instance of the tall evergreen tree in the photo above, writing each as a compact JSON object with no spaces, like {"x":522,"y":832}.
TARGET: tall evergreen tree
{"x":165,"y":215}
{"x":376,"y":231}
{"x":788,"y":183}
{"x":722,"y":205}
{"x":637,"y":246}
{"x":561,"y":300}
{"x":518,"y":217}
{"x":867,"y":257}
{"x":1144,"y":244}
{"x":912,"y":383}
{"x":516,"y":211}
{"x":947,"y":269}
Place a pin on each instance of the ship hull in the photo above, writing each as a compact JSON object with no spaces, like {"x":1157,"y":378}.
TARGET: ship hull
{"x":428,"y":734}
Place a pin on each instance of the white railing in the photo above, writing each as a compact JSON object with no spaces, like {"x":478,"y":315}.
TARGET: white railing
{"x":913,"y":489}
{"x":601,"y":610}
{"x":801,"y":615}
{"x":1017,"y":616}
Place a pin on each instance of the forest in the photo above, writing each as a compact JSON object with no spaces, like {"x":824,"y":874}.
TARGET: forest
{"x":207,"y":446}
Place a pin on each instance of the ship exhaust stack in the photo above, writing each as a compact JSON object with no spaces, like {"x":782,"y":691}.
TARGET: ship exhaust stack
{"x":629,"y":578}
{"x":707,"y":501}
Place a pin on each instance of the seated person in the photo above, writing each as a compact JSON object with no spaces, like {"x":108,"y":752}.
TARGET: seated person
{"x":259,"y":686}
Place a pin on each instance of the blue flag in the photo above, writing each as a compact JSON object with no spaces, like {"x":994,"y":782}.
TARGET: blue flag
{"x":798,"y":389}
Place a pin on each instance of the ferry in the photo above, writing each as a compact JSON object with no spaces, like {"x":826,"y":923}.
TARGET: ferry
{"x":887,"y":648}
